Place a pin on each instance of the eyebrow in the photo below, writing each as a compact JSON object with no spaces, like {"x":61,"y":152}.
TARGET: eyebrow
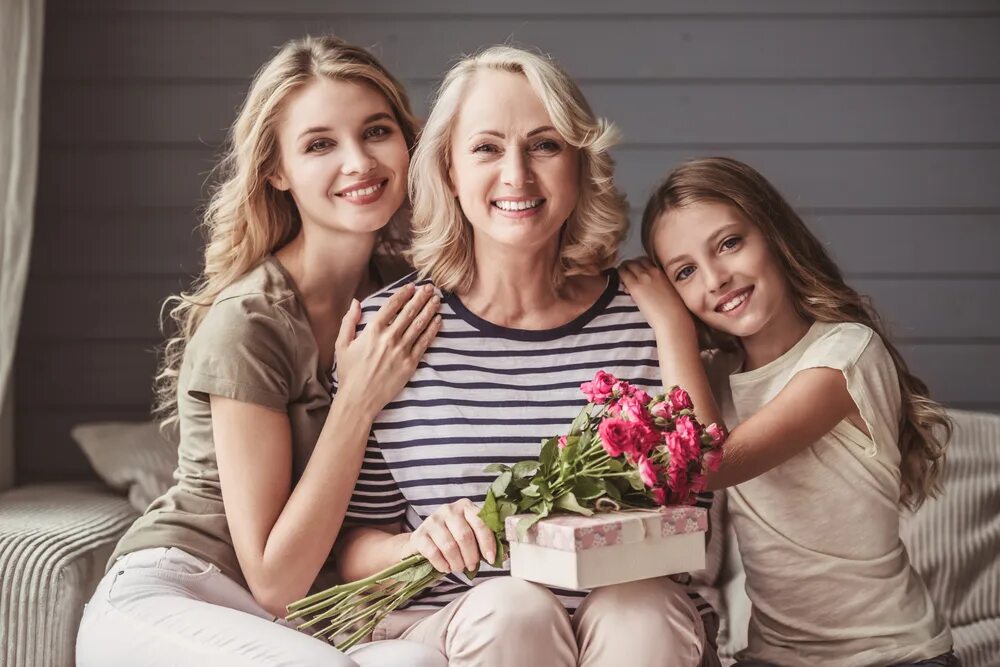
{"x":381,"y":115}
{"x":501,"y":135}
{"x":721,"y":231}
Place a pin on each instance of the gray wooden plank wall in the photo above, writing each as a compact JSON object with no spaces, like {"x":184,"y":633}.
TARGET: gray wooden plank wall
{"x":878,"y":119}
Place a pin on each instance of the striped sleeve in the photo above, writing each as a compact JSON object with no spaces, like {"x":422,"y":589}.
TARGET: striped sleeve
{"x":376,"y":498}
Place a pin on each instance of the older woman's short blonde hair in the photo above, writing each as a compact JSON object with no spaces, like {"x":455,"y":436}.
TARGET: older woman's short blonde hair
{"x":442,"y":237}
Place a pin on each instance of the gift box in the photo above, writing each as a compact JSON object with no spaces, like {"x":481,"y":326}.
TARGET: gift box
{"x":583,"y":552}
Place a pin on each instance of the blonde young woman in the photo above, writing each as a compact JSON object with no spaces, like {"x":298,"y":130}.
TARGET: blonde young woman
{"x":314,"y":176}
{"x":517,"y":222}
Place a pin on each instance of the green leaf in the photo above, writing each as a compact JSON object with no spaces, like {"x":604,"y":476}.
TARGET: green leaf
{"x":490,"y":514}
{"x":580,"y":422}
{"x":415,"y":573}
{"x":532,"y":490}
{"x":496,"y":467}
{"x":614,"y":465}
{"x":501,"y":554}
{"x":526,"y":503}
{"x":525,"y":468}
{"x":499,"y":486}
{"x":568,"y":502}
{"x":525,"y":523}
{"x":613,"y":491}
{"x":550,"y":449}
{"x":635,"y":481}
{"x":507,"y":509}
{"x":587,"y":488}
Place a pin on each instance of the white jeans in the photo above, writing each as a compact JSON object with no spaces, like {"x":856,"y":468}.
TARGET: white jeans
{"x":166,"y":607}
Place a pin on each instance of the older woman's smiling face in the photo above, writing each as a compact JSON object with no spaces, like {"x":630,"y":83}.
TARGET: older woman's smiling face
{"x":516,"y":178}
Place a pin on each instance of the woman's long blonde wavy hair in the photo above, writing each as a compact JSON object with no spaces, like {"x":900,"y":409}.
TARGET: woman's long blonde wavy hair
{"x":247,"y":218}
{"x":820,"y":294}
{"x":442,"y":238}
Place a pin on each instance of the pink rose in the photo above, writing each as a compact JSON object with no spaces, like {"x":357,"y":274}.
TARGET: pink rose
{"x":648,"y":472}
{"x":687,"y":429}
{"x":616,"y":436}
{"x":632,"y":409}
{"x":680,"y":400}
{"x":641,"y":396}
{"x":562,"y":442}
{"x":713,"y":459}
{"x":662,"y":410}
{"x":659,"y":495}
{"x":717,"y":433}
{"x":600,"y":389}
{"x":682,"y":450}
{"x":677,"y":479}
{"x":644,"y":437}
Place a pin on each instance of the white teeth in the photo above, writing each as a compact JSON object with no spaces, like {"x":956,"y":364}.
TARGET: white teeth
{"x":363,"y":192}
{"x":504,"y":205}
{"x":735,"y":301}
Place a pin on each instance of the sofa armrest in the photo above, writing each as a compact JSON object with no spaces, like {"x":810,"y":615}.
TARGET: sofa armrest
{"x":54,"y":542}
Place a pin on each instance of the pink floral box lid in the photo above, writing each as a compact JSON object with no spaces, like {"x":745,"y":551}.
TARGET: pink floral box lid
{"x":573,"y":532}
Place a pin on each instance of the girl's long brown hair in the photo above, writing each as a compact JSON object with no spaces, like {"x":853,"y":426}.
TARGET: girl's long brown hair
{"x":820,"y":294}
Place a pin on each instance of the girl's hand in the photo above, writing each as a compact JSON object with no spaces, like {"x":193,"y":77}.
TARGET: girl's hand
{"x":453,"y":538}
{"x":375,"y":366}
{"x":657,"y":299}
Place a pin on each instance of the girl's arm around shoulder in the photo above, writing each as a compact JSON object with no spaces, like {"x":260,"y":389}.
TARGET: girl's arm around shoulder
{"x":813,"y":402}
{"x":677,"y":348}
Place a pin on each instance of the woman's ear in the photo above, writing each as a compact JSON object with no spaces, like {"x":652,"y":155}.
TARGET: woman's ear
{"x":278,"y":180}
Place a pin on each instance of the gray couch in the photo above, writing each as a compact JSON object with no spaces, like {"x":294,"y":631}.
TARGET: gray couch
{"x":55,"y":540}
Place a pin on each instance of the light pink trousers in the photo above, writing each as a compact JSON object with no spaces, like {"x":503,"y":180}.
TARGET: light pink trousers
{"x":166,"y":607}
{"x":509,"y":622}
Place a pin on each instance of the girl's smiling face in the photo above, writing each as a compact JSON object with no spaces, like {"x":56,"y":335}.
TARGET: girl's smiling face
{"x":343,"y":157}
{"x":515,"y":177}
{"x":723,"y":268}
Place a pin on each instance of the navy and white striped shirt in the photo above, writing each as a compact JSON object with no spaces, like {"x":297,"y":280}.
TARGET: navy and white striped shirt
{"x":489,"y":394}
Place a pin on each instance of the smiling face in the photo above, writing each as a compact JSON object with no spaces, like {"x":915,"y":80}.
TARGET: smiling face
{"x":343,"y":157}
{"x":723,"y":269}
{"x":515,"y":177}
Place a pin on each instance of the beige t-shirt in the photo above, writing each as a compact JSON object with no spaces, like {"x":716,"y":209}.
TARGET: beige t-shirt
{"x":827,"y":574}
{"x":254,"y":345}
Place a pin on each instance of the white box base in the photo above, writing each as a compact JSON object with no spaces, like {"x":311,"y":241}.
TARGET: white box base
{"x":604,"y":566}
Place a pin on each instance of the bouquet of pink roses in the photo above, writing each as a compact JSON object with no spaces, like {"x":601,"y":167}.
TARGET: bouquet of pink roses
{"x":624,"y":450}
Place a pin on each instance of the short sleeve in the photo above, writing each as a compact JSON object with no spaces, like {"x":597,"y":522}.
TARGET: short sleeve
{"x":859,"y":353}
{"x":242,"y":350}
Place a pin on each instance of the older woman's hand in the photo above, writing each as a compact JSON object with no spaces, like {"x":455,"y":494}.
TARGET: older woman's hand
{"x":453,"y":538}
{"x":657,"y":299}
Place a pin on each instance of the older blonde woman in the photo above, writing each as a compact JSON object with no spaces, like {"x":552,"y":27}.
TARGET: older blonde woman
{"x":517,"y":223}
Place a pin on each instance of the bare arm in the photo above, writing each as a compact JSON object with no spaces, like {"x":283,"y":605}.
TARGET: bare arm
{"x":453,"y":539}
{"x":676,"y":336}
{"x":282,"y":536}
{"x":809,"y":406}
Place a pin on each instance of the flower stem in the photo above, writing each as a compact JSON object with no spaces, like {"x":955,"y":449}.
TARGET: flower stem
{"x":333,"y":591}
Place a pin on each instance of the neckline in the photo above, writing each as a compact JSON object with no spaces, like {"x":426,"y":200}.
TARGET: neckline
{"x":777,"y":364}
{"x":571,"y":327}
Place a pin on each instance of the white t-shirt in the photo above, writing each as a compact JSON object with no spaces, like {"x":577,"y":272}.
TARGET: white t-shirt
{"x":827,"y":574}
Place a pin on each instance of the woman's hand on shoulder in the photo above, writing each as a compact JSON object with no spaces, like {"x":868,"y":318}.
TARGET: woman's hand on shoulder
{"x":375,"y":365}
{"x":453,"y":538}
{"x":657,"y":299}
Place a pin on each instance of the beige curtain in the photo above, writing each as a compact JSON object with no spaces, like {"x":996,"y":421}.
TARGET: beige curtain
{"x":20,"y":85}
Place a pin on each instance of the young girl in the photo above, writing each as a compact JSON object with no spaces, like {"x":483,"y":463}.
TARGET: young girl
{"x":311,"y":184}
{"x":831,"y":433}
